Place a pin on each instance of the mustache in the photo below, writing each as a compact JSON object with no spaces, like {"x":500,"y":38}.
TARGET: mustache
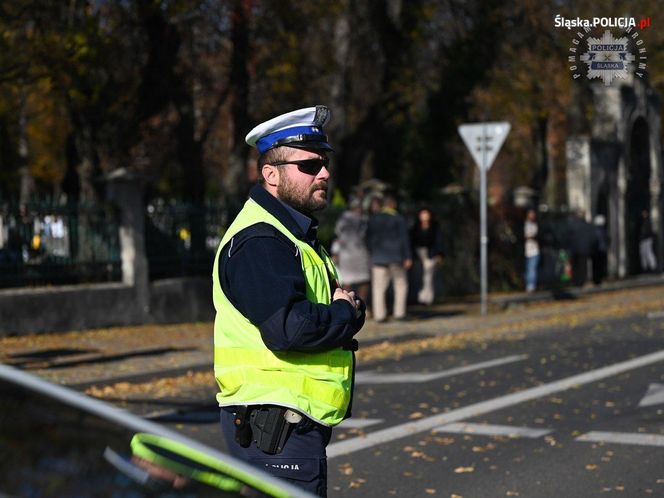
{"x":319,"y":186}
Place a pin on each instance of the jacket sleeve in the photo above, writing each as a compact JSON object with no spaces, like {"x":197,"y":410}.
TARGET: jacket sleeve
{"x":405,"y":239}
{"x":263,"y":279}
{"x":439,"y":248}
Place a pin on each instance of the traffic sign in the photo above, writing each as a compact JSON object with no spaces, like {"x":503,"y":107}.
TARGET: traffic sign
{"x":484,"y":140}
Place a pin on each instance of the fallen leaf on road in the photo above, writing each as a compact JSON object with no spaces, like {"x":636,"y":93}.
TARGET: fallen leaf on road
{"x":346,"y":469}
{"x":464,"y":470}
{"x":357,"y":483}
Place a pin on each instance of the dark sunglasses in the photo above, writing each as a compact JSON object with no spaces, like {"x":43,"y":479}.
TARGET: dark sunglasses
{"x":308,"y":166}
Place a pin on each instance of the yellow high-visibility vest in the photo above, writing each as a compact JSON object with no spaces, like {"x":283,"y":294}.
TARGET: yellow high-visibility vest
{"x":248,"y":373}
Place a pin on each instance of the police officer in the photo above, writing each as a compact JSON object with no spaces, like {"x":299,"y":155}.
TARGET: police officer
{"x":283,"y":333}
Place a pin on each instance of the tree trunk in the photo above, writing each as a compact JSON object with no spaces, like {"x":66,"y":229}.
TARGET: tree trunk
{"x":236,"y":184}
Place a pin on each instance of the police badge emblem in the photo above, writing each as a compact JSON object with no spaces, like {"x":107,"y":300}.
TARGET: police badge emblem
{"x":608,"y":57}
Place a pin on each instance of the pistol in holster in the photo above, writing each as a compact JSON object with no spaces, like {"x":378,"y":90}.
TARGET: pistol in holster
{"x":268,"y":426}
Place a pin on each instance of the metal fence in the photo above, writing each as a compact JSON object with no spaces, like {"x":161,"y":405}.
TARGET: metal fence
{"x":181,"y":239}
{"x":44,"y":243}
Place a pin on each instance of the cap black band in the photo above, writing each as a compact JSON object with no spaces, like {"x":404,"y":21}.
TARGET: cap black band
{"x":300,"y":138}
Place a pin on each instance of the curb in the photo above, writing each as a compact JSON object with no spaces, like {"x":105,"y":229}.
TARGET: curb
{"x":576,"y":292}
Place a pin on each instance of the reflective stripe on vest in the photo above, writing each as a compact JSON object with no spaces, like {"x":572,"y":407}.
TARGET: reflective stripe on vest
{"x":247,"y":372}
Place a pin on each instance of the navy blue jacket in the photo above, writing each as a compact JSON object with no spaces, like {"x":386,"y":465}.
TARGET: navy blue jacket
{"x":388,"y":240}
{"x":262,"y":276}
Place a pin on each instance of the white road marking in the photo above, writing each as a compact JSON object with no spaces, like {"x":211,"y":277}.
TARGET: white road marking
{"x":359,"y":423}
{"x":493,"y":430}
{"x":622,"y":438}
{"x":654,"y":396}
{"x":373,"y":377}
{"x":484,"y":407}
{"x":656,"y":314}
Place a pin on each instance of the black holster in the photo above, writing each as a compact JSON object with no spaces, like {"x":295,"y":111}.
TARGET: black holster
{"x":265,"y":425}
{"x":242,"y":426}
{"x":270,"y":428}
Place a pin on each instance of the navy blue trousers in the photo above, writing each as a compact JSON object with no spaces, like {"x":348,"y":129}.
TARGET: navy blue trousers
{"x":302,"y":462}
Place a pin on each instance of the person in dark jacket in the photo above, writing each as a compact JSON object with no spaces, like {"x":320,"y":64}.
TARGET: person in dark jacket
{"x":581,"y":242}
{"x":284,"y":329}
{"x":601,"y":249}
{"x":427,"y":241}
{"x":389,"y":249}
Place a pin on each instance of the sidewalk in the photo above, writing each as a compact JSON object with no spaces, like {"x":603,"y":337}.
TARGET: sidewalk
{"x":503,"y":308}
{"x":133,"y":354}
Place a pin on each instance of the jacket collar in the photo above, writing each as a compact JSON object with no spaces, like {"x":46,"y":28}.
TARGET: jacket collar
{"x":304,"y":227}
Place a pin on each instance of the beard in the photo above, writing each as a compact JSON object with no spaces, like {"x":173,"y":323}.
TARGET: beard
{"x":307,"y":200}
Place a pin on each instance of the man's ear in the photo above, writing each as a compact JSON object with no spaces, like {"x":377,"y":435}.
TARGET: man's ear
{"x":271,"y":175}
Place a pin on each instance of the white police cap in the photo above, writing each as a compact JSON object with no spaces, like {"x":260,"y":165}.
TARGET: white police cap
{"x":302,"y":128}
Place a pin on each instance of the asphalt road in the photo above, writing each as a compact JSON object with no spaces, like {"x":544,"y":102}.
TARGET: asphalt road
{"x":551,"y":420}
{"x":545,"y":398}
{"x":555,"y":412}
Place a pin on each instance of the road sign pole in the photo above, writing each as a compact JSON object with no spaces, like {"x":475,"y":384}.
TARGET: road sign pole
{"x":483,"y":236}
{"x":484,"y":141}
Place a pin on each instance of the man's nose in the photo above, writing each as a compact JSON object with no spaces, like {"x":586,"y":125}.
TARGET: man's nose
{"x":323,"y":174}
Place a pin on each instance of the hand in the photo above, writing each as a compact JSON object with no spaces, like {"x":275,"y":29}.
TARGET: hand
{"x":349,"y":296}
{"x":407,"y":264}
{"x":340,"y":293}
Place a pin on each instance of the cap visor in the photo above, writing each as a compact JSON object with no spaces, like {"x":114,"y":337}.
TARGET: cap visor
{"x":311,"y":145}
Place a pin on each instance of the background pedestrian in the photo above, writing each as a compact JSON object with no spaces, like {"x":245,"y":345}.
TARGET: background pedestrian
{"x":647,"y":243}
{"x":428,"y":244}
{"x":388,"y":242}
{"x":581,"y":242}
{"x":350,"y":252}
{"x":601,"y":249}
{"x":532,"y":249}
